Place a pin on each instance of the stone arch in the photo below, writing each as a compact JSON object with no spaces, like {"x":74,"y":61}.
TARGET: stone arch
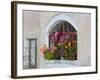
{"x":54,"y":20}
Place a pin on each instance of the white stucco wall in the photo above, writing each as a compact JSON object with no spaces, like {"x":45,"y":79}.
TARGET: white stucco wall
{"x":31,"y":29}
{"x":35,"y":24}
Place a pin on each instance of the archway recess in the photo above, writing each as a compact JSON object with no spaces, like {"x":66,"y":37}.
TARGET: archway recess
{"x":55,"y":20}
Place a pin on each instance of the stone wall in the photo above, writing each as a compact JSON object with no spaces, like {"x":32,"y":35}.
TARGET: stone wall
{"x":36,"y":22}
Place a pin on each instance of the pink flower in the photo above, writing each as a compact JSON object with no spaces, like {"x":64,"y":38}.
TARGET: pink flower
{"x":42,"y":50}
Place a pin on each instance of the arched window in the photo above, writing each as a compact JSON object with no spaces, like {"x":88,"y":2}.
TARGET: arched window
{"x":63,"y":38}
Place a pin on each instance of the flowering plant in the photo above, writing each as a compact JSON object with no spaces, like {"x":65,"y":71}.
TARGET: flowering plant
{"x":47,"y":53}
{"x":68,"y":52}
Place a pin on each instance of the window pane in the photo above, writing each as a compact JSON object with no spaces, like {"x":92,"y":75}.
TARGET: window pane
{"x":33,"y":52}
{"x":29,"y":54}
{"x":63,"y":38}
